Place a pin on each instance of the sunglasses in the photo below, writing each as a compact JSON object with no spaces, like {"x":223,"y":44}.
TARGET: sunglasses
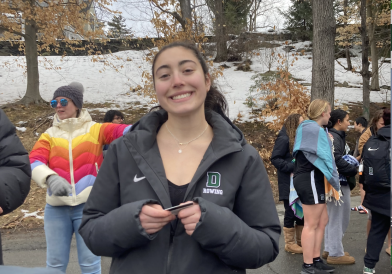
{"x":63,"y":103}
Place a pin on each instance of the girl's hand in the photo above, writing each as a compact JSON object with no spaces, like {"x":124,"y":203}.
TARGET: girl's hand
{"x":153,"y":218}
{"x":190,"y":217}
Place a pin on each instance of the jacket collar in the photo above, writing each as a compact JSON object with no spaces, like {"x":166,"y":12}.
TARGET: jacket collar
{"x":385,"y":132}
{"x":141,"y":142}
{"x":72,"y":124}
{"x":342,"y":134}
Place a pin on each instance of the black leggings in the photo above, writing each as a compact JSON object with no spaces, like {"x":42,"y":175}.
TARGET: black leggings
{"x":289,"y":217}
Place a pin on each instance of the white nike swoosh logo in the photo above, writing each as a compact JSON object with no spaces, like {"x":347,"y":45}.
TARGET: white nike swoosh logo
{"x":136,"y":179}
{"x":371,"y":149}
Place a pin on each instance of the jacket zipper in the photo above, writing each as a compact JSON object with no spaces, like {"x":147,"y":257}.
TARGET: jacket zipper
{"x":172,"y":233}
{"x":71,"y":171}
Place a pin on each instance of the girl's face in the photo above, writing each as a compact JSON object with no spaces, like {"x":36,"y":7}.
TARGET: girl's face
{"x":69,"y":111}
{"x":301,"y":119}
{"x":343,"y":125}
{"x":180,"y":83}
{"x":325,"y":116}
{"x":117,"y":120}
{"x":380,"y":123}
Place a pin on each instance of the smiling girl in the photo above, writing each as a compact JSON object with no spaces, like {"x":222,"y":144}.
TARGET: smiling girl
{"x":186,"y":150}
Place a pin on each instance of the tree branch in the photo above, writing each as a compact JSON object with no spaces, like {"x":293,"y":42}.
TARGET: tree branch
{"x":174,"y":14}
{"x":12,"y":31}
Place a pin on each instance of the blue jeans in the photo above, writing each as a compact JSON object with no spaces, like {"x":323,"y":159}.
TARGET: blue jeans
{"x":60,"y":222}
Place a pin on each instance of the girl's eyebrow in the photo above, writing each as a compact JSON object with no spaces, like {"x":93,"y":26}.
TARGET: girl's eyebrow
{"x":180,"y":63}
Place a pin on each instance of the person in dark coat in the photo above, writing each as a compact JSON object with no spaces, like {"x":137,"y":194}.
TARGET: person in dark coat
{"x":339,"y":214}
{"x":187,"y":151}
{"x":282,"y":159}
{"x":15,"y":171}
{"x":378,"y":200}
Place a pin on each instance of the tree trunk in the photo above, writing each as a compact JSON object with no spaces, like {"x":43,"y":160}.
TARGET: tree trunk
{"x":365,"y":61}
{"x":349,"y":65}
{"x":32,"y":93}
{"x":220,"y":33}
{"x":373,"y":48}
{"x":186,"y":11}
{"x":323,"y":68}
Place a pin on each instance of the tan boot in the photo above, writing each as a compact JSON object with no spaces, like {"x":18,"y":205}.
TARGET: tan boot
{"x":326,"y":253}
{"x":290,"y":245}
{"x":343,"y":260}
{"x":298,"y":234}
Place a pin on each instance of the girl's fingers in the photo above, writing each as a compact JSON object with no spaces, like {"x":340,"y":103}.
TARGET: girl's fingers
{"x":155,"y":211}
{"x":190,"y":226}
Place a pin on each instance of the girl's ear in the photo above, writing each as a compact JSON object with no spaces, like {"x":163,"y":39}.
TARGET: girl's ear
{"x":208,"y":82}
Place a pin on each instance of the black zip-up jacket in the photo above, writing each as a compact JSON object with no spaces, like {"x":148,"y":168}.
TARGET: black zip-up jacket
{"x":15,"y":170}
{"x":282,"y":159}
{"x":339,"y":143}
{"x":239,"y":226}
{"x":379,"y":199}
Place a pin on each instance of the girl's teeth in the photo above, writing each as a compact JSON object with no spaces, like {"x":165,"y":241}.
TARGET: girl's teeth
{"x":181,"y":96}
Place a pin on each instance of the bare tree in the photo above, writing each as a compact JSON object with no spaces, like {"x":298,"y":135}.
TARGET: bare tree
{"x":323,"y":67}
{"x":365,"y":62}
{"x":34,"y":20}
{"x":348,"y":57}
{"x":186,"y":12}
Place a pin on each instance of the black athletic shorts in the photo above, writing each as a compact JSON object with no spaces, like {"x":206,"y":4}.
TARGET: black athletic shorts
{"x":310,"y":188}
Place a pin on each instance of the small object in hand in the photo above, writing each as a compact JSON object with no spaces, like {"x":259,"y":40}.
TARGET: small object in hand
{"x":176,"y":209}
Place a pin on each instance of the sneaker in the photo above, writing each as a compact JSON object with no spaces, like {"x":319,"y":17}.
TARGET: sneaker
{"x":367,"y":270}
{"x":312,"y":270}
{"x":320,"y":265}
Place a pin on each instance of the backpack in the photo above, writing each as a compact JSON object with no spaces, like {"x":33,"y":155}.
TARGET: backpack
{"x":377,"y":162}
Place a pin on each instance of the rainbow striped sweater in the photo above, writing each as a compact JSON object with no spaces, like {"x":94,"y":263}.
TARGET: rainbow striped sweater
{"x":72,"y":149}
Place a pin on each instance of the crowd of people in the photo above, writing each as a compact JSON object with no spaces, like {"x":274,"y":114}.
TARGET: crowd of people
{"x":114,"y":185}
{"x":313,"y":158}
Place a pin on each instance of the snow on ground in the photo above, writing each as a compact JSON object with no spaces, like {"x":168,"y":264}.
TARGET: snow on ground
{"x":23,"y":129}
{"x":32,"y":214}
{"x":107,"y":84}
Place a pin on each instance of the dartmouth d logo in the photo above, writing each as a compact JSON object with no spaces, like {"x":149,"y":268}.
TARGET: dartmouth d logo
{"x":213,"y":179}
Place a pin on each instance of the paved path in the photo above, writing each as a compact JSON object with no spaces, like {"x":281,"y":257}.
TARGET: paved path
{"x":29,"y":249}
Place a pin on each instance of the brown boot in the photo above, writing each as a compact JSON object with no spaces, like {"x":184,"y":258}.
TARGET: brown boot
{"x":298,"y":234}
{"x":326,"y":253}
{"x":343,"y":260}
{"x":290,"y":245}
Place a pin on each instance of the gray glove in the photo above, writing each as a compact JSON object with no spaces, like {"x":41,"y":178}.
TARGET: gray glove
{"x":58,"y":185}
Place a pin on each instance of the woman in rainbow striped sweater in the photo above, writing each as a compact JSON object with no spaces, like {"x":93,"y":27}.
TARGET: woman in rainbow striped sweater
{"x":66,"y":160}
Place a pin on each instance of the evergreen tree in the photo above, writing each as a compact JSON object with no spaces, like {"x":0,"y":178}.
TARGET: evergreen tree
{"x":236,"y":13}
{"x":299,"y":19}
{"x":118,"y":28}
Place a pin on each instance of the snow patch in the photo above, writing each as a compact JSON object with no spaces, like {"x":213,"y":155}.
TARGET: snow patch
{"x":33,"y":214}
{"x":23,"y":129}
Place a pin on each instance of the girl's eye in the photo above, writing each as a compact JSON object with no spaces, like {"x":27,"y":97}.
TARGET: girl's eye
{"x":188,"y":70}
{"x":164,"y":76}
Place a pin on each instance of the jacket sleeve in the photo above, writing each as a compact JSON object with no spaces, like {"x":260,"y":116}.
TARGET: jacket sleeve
{"x":110,"y":132}
{"x":363,"y":139}
{"x":39,"y":159}
{"x":109,"y":228}
{"x":248,"y":236}
{"x":281,"y":148}
{"x":15,"y":171}
{"x":342,"y":166}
